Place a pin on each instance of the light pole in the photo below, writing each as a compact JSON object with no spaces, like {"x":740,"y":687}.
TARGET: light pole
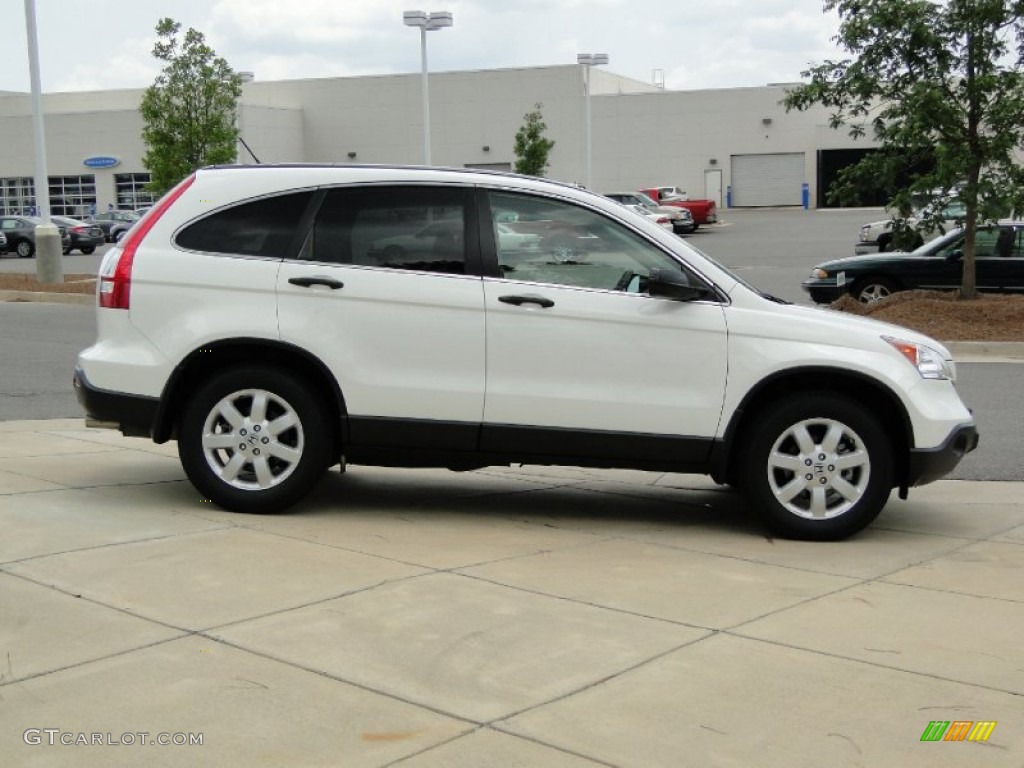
{"x":244,"y":77}
{"x":589,"y":60}
{"x":49,"y":268}
{"x":427,"y":22}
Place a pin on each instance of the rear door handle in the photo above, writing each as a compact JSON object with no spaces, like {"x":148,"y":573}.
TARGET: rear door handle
{"x":540,"y":301}
{"x":306,"y":282}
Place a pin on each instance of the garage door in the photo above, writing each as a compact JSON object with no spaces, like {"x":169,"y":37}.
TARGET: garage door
{"x":767,"y":179}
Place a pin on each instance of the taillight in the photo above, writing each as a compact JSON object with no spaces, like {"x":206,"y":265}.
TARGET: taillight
{"x":664,"y":220}
{"x":78,"y":230}
{"x":115,"y":277}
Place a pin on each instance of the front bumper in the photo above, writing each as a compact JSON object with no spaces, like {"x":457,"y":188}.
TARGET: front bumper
{"x":930,"y":464}
{"x":864,"y":247}
{"x":134,"y":415}
{"x":823,"y":291}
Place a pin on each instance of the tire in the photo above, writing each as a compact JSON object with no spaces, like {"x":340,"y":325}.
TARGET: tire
{"x":25,"y":249}
{"x":88,"y":249}
{"x":802,"y":495}
{"x":65,"y":251}
{"x":222,"y":457}
{"x":872,"y":289}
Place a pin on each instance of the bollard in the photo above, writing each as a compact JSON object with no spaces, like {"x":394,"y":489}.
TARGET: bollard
{"x":49,"y":261}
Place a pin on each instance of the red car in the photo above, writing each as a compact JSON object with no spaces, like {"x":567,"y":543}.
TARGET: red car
{"x":704,"y":211}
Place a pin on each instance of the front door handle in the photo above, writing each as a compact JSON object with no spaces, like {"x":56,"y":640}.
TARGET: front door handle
{"x":306,"y":282}
{"x":540,"y":301}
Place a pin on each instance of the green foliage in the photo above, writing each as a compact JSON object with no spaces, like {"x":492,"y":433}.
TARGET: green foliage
{"x":531,"y":147}
{"x":938,"y":85}
{"x":189,"y":113}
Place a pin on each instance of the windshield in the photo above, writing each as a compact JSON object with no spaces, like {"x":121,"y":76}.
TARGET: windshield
{"x":939,"y":245}
{"x":646,"y":202}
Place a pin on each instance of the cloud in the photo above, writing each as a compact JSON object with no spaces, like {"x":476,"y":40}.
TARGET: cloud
{"x":697,"y":43}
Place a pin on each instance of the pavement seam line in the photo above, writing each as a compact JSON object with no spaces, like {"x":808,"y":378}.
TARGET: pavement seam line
{"x":864,"y":662}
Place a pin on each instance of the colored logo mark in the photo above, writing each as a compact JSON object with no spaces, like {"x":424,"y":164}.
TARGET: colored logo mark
{"x":958,"y":730}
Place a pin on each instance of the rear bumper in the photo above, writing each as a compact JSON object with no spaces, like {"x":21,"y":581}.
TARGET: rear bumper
{"x":134,"y":415}
{"x":931,"y":464}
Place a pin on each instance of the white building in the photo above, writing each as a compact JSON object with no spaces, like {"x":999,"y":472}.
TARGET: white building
{"x":738,"y":145}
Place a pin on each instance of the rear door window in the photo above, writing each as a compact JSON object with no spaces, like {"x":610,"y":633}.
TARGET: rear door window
{"x":417,"y":228}
{"x":267,"y":227}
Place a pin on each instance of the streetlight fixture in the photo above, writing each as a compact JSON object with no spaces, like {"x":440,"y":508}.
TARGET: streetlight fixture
{"x":427,"y":22}
{"x":589,"y":60}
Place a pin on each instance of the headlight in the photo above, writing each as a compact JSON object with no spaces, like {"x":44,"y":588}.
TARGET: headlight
{"x":819,"y":274}
{"x":929,"y":362}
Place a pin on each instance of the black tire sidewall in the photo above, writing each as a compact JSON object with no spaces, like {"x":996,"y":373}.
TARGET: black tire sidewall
{"x":312,"y":416}
{"x":784,"y":414}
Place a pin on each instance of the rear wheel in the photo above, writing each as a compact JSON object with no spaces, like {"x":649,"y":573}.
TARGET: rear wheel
{"x":88,"y":249}
{"x":254,"y":440}
{"x":25,"y":248}
{"x":818,"y":467}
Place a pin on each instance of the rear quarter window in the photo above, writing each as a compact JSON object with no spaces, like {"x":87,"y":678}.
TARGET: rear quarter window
{"x":266,"y":227}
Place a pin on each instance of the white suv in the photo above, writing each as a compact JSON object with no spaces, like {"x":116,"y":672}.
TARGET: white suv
{"x":277,"y":320}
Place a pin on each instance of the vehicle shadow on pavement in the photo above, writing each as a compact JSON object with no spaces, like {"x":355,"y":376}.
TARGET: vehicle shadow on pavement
{"x":574,"y":498}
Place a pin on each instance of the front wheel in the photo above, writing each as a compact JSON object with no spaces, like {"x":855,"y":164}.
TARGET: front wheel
{"x":88,"y":249}
{"x":254,"y":440}
{"x":818,"y":467}
{"x":25,"y":249}
{"x":872,"y":289}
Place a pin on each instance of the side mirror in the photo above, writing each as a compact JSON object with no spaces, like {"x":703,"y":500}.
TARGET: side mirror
{"x":673,"y":284}
{"x":955,"y":255}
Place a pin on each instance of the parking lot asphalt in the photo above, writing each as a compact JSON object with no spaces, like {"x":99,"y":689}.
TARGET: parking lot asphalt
{"x":521,"y":616}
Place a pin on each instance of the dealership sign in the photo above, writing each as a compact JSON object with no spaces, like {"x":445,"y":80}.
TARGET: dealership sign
{"x":101,"y":161}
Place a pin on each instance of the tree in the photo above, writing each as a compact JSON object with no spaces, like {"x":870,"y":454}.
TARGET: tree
{"x":939,"y":86}
{"x":531,"y":147}
{"x":189,"y":113}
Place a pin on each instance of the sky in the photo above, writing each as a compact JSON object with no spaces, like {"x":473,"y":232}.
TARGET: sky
{"x":691,"y":44}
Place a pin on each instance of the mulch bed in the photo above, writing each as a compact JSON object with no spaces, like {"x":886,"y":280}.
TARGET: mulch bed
{"x":944,"y":316}
{"x":26,"y":282}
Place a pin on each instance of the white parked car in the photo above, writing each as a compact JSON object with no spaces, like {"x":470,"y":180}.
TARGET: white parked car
{"x":253,"y":317}
{"x":680,"y":218}
{"x":881,"y":236}
{"x":661,"y":219}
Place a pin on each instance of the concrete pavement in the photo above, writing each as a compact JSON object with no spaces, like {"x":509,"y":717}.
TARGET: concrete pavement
{"x":519,"y":616}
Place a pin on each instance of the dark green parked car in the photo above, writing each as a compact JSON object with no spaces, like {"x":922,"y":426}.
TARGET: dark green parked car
{"x":938,"y":265}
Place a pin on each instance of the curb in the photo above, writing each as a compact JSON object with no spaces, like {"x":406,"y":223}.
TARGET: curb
{"x":48,"y":297}
{"x":986,"y":351}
